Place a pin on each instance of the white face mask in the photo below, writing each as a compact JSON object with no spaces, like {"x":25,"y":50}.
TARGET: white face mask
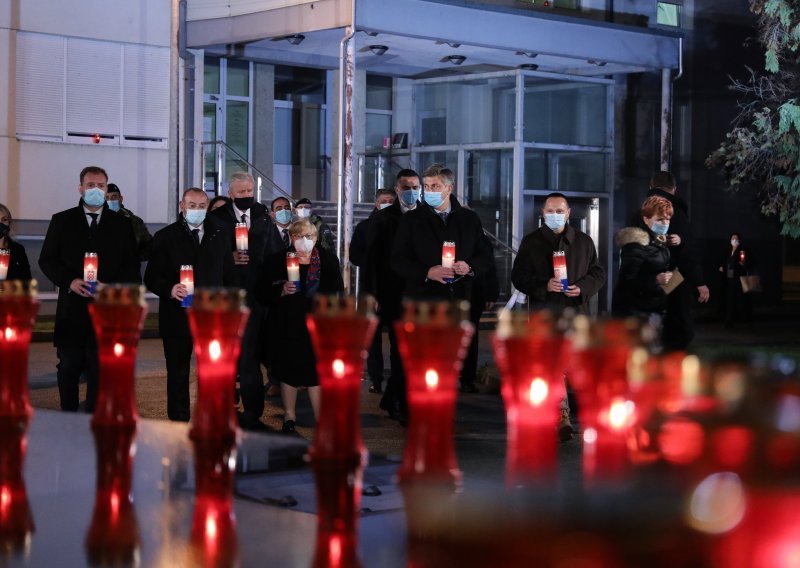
{"x":303,"y":213}
{"x":734,"y":243}
{"x":304,"y":244}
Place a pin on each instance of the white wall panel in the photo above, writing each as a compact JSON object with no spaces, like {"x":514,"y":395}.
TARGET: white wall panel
{"x":93,"y":86}
{"x":145,"y":91}
{"x":40,"y":85}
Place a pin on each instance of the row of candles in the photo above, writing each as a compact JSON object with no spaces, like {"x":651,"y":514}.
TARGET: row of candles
{"x":636,"y":409}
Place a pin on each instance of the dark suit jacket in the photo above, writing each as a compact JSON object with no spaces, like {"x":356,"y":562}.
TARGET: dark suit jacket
{"x":19,"y":268}
{"x":379,"y":278}
{"x":61,"y":260}
{"x":418,"y":247}
{"x":173,"y":246}
{"x":359,"y":246}
{"x":263,"y":239}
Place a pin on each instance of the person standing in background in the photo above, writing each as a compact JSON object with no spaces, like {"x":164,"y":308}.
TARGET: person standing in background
{"x":18,"y":268}
{"x":143,"y":236}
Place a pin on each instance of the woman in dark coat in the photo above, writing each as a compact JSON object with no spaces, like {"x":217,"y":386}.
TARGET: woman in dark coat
{"x":287,"y":339}
{"x":18,"y":267}
{"x":645,"y":263}
{"x":739,"y":262}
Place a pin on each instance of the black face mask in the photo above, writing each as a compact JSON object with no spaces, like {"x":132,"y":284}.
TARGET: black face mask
{"x":243,"y":203}
{"x":4,"y":230}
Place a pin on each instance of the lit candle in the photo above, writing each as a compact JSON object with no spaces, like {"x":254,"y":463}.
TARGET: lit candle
{"x":741,"y":257}
{"x":448,"y":256}
{"x":187,"y":279}
{"x":16,"y":519}
{"x":5,"y":259}
{"x":293,"y":268}
{"x":91,"y":265}
{"x":241,"y":237}
{"x":560,"y":268}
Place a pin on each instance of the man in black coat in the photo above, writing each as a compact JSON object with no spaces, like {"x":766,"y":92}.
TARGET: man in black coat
{"x":387,"y":286}
{"x":188,"y":241}
{"x":263,"y":240}
{"x":89,"y":227}
{"x":359,"y":246}
{"x":417,"y":252}
{"x":678,"y":329}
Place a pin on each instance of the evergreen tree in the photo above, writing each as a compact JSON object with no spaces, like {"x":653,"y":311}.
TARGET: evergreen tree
{"x":762,"y":151}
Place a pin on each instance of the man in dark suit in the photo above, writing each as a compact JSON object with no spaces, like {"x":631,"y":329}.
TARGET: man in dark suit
{"x":359,"y":245}
{"x":387,"y":286}
{"x":89,"y":227}
{"x":188,"y":241}
{"x":263,"y":239}
{"x":417,"y":252}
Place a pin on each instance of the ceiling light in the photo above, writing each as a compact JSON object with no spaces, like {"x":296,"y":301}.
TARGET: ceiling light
{"x":378,"y":49}
{"x":456,"y":59}
{"x":529,"y":67}
{"x":372,"y":34}
{"x":295,"y":39}
{"x":598,"y":63}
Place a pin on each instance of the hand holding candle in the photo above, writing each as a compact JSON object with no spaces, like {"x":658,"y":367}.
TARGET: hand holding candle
{"x":448,"y":256}
{"x":293,"y":269}
{"x":187,"y":279}
{"x":241,"y":237}
{"x":91,"y":266}
{"x":5,"y":260}
{"x":560,"y":269}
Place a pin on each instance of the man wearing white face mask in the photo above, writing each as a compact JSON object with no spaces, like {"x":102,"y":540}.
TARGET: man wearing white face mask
{"x":189,"y":241}
{"x":303,"y":210}
{"x":89,"y":227}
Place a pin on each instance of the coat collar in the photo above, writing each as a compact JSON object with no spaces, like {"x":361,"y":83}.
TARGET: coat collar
{"x":567,"y":236}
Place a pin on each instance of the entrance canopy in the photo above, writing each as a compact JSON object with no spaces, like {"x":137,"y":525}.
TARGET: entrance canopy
{"x":426,"y":38}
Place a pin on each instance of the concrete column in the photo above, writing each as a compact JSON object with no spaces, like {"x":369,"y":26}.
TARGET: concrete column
{"x":264,"y":126}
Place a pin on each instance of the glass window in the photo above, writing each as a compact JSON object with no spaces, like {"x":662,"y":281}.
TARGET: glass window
{"x":237,"y":135}
{"x":287,"y":136}
{"x":238,"y":78}
{"x":211,"y":75}
{"x":448,"y":158}
{"x":299,"y":84}
{"x":565,"y":171}
{"x":379,"y":127}
{"x":561,"y":112}
{"x":379,"y":92}
{"x":668,"y":14}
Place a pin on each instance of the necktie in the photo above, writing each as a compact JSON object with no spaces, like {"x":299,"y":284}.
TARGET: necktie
{"x":93,"y":226}
{"x":244,"y":218}
{"x":443,"y":217}
{"x":196,"y":235}
{"x":285,"y":237}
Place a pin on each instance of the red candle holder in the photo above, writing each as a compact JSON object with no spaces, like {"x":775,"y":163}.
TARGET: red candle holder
{"x":448,"y":256}
{"x":241,"y":234}
{"x":217,"y":319}
{"x":18,"y":309}
{"x":340,"y":333}
{"x":606,"y":410}
{"x":292,"y":268}
{"x":528,"y":355}
{"x":187,"y":279}
{"x":118,"y":314}
{"x":91,"y":266}
{"x":5,"y":262}
{"x":213,"y":539}
{"x":432,"y":338}
{"x":113,"y":536}
{"x":16,"y":519}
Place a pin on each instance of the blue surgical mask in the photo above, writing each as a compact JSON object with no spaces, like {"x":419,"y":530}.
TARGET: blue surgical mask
{"x":195,"y":217}
{"x":555,"y":221}
{"x":284,"y":216}
{"x":409,"y":197}
{"x":113,"y":204}
{"x":659,"y":228}
{"x":94,"y":197}
{"x":433,"y":198}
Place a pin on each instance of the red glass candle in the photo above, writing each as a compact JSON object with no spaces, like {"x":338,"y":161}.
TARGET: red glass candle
{"x":113,"y":536}
{"x":91,"y":266}
{"x":187,"y":279}
{"x":607,"y":412}
{"x":16,"y":519}
{"x":5,"y":260}
{"x":241,"y":237}
{"x":292,"y":268}
{"x":528,"y":355}
{"x":741,"y":257}
{"x":217,"y":319}
{"x":18,"y":309}
{"x":448,"y":256}
{"x":560,"y":269}
{"x":213,"y":538}
{"x":432,"y":338}
{"x":340,"y":333}
{"x":118,"y":314}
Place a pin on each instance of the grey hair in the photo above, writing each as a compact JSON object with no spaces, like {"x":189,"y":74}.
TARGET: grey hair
{"x":241,"y":176}
{"x":441,"y":171}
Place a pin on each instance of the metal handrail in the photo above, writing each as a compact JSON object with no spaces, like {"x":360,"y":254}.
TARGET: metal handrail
{"x":282,"y":191}
{"x":497,"y":241}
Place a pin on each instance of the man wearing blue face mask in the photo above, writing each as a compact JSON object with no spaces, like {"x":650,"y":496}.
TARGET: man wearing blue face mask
{"x":89,"y":227}
{"x":143,"y":237}
{"x":188,"y":241}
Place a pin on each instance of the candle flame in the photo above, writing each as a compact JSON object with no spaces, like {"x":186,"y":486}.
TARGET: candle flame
{"x":211,"y":527}
{"x":539,"y":390}
{"x":335,"y":551}
{"x":119,"y":349}
{"x":338,"y":369}
{"x":114,"y":502}
{"x":620,"y":413}
{"x":431,"y":379}
{"x":214,"y":350}
{"x":5,"y":497}
{"x":10,"y":334}
{"x":589,"y":436}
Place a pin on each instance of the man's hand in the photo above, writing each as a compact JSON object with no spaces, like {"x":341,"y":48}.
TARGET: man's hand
{"x":461,"y":268}
{"x":80,"y":287}
{"x":240,"y":258}
{"x":439,"y":273}
{"x":572,"y":291}
{"x":289,"y":288}
{"x":703,"y":294}
{"x":664,"y":278}
{"x":179,"y":292}
{"x":673,"y":240}
{"x":555,"y":285}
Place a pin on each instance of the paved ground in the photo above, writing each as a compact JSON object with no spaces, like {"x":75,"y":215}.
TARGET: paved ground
{"x":480,"y":421}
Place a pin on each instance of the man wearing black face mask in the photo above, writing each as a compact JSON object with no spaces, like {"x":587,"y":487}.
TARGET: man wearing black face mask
{"x":263,"y":239}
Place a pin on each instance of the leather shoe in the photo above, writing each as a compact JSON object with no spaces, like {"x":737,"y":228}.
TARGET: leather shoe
{"x":288,"y":427}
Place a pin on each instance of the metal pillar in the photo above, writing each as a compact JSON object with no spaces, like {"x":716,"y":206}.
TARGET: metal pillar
{"x":666,"y":119}
{"x":347,"y":70}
